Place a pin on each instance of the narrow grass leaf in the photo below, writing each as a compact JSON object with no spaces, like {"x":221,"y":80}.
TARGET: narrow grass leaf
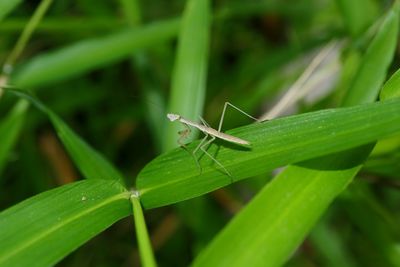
{"x":87,"y":55}
{"x":299,"y":195}
{"x":92,"y":164}
{"x":42,"y":230}
{"x":190,"y":70}
{"x":146,"y":252}
{"x":26,"y":35}
{"x":276,"y":217}
{"x":174,"y":176}
{"x":10,"y":127}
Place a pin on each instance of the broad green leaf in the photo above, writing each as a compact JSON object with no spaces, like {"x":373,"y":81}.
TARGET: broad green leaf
{"x":6,"y":6}
{"x":146,"y":252}
{"x":277,"y":216}
{"x":10,"y":127}
{"x":43,"y":229}
{"x":87,"y":55}
{"x":174,"y":176}
{"x":300,"y":194}
{"x":190,"y":70}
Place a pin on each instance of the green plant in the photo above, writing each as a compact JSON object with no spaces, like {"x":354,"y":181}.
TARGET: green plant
{"x":344,"y":135}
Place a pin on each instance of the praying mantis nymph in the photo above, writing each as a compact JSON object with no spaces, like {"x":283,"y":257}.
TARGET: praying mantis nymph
{"x":209,"y":131}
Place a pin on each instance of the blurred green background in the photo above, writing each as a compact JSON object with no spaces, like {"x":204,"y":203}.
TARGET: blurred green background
{"x":257,"y":50}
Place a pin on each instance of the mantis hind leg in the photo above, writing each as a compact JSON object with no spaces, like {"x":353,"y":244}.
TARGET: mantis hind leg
{"x":195,"y":150}
{"x":238,"y":109}
{"x":203,"y":148}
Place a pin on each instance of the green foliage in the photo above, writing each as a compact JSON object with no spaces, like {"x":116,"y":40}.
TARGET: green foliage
{"x":40,"y":224}
{"x":104,"y":72}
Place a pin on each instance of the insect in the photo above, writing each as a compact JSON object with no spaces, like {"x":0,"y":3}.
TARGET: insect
{"x":208,"y":131}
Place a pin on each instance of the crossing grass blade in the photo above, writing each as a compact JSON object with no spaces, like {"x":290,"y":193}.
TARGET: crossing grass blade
{"x":54,"y":223}
{"x":188,"y":84}
{"x":87,"y":55}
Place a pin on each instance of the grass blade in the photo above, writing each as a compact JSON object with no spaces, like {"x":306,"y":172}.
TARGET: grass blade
{"x":145,"y":249}
{"x":92,"y":164}
{"x":174,"y":176}
{"x":25,"y":35}
{"x":270,"y":220}
{"x":9,"y":130}
{"x":190,"y":70}
{"x":43,"y":229}
{"x":87,"y":55}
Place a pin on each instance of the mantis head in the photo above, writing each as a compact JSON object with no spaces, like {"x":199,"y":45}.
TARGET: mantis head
{"x":173,"y":117}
